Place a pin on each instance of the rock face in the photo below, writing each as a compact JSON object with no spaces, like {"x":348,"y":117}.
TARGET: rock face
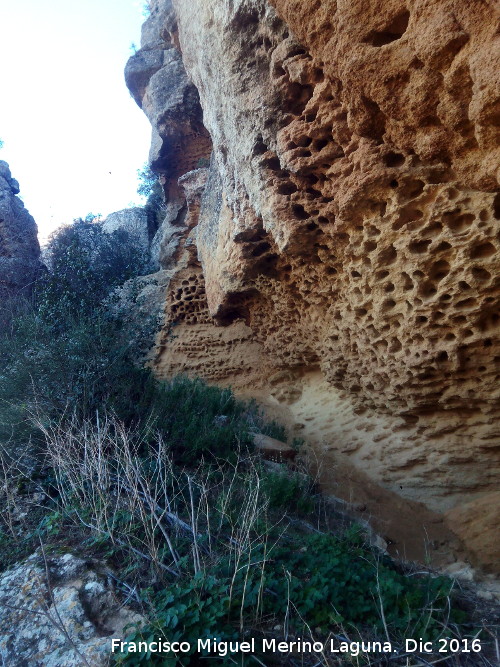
{"x":134,"y":221}
{"x":55,"y":625}
{"x":476,"y":523}
{"x":19,"y":249}
{"x":341,"y":261}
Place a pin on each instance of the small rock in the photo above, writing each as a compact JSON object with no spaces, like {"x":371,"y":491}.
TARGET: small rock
{"x":460,"y":570}
{"x":379,"y":543}
{"x":272,"y":449}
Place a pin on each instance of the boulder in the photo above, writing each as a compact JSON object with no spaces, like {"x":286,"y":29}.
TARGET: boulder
{"x":54,"y":621}
{"x":134,"y":221}
{"x":274,"y":450}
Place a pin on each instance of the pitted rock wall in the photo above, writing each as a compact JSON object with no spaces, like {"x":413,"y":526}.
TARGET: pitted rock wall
{"x":348,"y":234}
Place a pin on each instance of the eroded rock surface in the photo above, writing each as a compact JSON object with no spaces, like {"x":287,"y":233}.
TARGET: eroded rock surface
{"x":134,"y":221}
{"x":55,"y":625}
{"x":19,"y":249}
{"x":341,"y":262}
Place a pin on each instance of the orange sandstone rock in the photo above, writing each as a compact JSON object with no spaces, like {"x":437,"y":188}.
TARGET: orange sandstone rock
{"x":476,"y":523}
{"x":341,"y":263}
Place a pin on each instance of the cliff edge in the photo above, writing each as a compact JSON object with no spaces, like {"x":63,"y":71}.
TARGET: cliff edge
{"x":19,"y":248}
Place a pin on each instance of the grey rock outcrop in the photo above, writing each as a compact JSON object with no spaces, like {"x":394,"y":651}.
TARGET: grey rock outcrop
{"x":180,"y":143}
{"x":134,"y":221}
{"x":19,"y":248}
{"x":54,"y":625}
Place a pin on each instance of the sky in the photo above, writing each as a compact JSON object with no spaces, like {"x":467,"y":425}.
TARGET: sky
{"x":73,"y":136}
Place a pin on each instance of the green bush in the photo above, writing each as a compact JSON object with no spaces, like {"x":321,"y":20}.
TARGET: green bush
{"x":62,"y":350}
{"x":343,"y":581}
{"x":320,"y":581}
{"x":232,"y":561}
{"x":84,"y":369}
{"x":150,"y":188}
{"x":85,"y":264}
{"x":49,"y":370}
{"x":196,"y":420}
{"x":288,"y":490}
{"x":147,"y":179}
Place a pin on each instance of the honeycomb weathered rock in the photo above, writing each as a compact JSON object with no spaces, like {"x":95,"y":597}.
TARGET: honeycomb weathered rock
{"x":346,"y":243}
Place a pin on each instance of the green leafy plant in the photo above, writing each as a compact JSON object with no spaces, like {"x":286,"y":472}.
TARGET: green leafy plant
{"x":321,"y":581}
{"x":147,"y":179}
{"x":288,"y":490}
{"x":198,"y":421}
{"x":62,"y":349}
{"x":150,"y":188}
{"x":217,"y":538}
{"x":86,"y":264}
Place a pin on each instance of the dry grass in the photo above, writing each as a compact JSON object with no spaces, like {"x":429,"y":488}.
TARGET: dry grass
{"x":172,"y":524}
{"x":107,"y":482}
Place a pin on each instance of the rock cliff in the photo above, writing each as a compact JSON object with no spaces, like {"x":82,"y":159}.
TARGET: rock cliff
{"x":19,"y":249}
{"x":331,"y":171}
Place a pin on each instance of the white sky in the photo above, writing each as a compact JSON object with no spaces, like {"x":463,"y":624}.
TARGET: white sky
{"x":73,"y":136}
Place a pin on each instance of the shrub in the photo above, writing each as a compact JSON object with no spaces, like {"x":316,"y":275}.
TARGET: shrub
{"x":288,"y":490}
{"x":85,"y":368}
{"x":323,"y":582}
{"x":147,"y":179}
{"x":150,"y":188}
{"x":76,"y":363}
{"x":198,"y":421}
{"x":86,"y":264}
{"x":216,"y":544}
{"x":63,"y":350}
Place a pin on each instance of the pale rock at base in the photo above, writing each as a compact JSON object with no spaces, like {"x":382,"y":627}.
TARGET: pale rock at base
{"x":36,"y":620}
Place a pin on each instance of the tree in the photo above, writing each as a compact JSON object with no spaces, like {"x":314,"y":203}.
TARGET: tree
{"x":150,"y":187}
{"x":86,"y":265}
{"x":147,"y":179}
